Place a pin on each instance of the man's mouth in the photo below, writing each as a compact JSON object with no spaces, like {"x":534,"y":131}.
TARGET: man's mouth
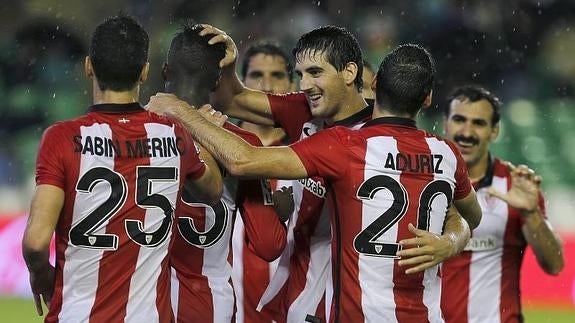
{"x":314,"y":98}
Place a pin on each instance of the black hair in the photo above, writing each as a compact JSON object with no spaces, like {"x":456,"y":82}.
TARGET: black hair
{"x":191,"y":58}
{"x":475,"y":93}
{"x":118,"y":51}
{"x":338,"y":45}
{"x":405,"y":79}
{"x":266,"y":48}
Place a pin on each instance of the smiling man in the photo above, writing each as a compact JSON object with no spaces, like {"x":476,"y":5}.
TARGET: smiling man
{"x":485,"y":277}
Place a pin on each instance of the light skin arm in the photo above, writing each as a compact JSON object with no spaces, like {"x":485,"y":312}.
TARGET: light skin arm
{"x":524,"y":195}
{"x":469,"y":209}
{"x":231,"y":95}
{"x":45,"y":209}
{"x":428,"y":249}
{"x":235,"y":154}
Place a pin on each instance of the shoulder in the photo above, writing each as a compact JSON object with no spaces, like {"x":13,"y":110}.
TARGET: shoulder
{"x":250,"y":137}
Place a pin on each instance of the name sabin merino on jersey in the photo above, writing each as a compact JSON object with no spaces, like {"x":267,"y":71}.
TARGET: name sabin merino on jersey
{"x":145,"y":147}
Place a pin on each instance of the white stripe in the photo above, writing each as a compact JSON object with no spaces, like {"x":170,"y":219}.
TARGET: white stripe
{"x":174,"y":291}
{"x":80,"y":272}
{"x":317,"y":274}
{"x":238,"y":266}
{"x":431,"y":281}
{"x":141,"y":305}
{"x":485,"y":269}
{"x":375,"y":273}
{"x":281,"y":274}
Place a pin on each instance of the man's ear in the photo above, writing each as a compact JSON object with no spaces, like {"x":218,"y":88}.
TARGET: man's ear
{"x":494,"y":132}
{"x":373,"y":84}
{"x":144,"y":73}
{"x":88,"y":70}
{"x":350,"y":73}
{"x":428,"y":100}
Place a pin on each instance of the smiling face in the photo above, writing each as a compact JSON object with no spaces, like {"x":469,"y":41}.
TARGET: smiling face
{"x":267,"y":73}
{"x":469,"y":125}
{"x":323,"y":85}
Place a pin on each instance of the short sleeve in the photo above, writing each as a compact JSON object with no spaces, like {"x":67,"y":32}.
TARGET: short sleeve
{"x":49,"y":161}
{"x":324,"y":153}
{"x":463,"y":184}
{"x":290,"y":112}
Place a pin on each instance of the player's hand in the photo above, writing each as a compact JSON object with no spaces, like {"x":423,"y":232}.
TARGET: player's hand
{"x":221,"y":37}
{"x":524,"y":191}
{"x":283,"y":202}
{"x":213,"y":116}
{"x":166,"y":104}
{"x":42,"y":284}
{"x":424,"y":251}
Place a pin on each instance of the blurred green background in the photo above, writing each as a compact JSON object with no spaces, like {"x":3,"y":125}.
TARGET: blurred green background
{"x":520,"y":49}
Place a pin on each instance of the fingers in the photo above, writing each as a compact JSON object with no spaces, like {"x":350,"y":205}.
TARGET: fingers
{"x":38,"y":304}
{"x":421,"y":267}
{"x":500,"y":195}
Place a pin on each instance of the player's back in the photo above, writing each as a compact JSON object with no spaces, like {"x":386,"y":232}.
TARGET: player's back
{"x":200,"y":255}
{"x":384,"y":176}
{"x":122,"y":169}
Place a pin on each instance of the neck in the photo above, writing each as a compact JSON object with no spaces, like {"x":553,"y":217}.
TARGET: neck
{"x":109,"y":96}
{"x":380,"y":112}
{"x":349,"y":107}
{"x":478,"y":170}
{"x":268,"y":135}
{"x":193,"y":95}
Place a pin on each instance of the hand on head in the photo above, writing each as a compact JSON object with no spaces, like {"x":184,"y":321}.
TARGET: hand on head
{"x":221,"y":37}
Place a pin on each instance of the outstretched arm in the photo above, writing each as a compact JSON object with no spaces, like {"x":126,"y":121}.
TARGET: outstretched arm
{"x":236,"y":155}
{"x":45,"y":210}
{"x":524,"y":195}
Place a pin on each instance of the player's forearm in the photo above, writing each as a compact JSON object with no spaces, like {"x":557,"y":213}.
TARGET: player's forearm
{"x":544,"y":242}
{"x":456,"y":230}
{"x":230,"y":150}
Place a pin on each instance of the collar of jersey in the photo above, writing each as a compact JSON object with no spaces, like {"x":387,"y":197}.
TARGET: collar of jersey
{"x":486,"y":180}
{"x":116,"y":107}
{"x":362,"y":115}
{"x":393,"y":121}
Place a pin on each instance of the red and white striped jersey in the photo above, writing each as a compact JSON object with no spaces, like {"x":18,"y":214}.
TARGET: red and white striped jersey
{"x":298,"y":287}
{"x":250,"y":273}
{"x":482,"y":283}
{"x":200,"y":256}
{"x":383,"y":177}
{"x":121,"y":169}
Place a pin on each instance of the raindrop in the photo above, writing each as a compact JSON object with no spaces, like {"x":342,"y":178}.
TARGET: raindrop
{"x":339,"y":11}
{"x":502,"y":81}
{"x":54,"y":95}
{"x":318,"y":3}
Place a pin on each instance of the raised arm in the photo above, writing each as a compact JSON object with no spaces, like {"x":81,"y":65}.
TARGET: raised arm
{"x":231,"y":95}
{"x":525,"y":195}
{"x":45,"y":209}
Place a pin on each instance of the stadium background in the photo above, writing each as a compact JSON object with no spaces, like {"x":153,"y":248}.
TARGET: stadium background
{"x":521,"y":49}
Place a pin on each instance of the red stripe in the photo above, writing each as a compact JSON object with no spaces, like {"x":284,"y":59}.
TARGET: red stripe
{"x":256,"y":277}
{"x":195,"y":301}
{"x":62,"y":229}
{"x":350,"y":293}
{"x":408,"y":289}
{"x":455,"y":281}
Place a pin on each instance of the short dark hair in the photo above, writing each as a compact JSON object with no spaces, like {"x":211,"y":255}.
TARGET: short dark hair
{"x":118,"y":51}
{"x":475,"y":93}
{"x":266,"y":48}
{"x":337,"y":44}
{"x":190,"y":56}
{"x":404,"y":79}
